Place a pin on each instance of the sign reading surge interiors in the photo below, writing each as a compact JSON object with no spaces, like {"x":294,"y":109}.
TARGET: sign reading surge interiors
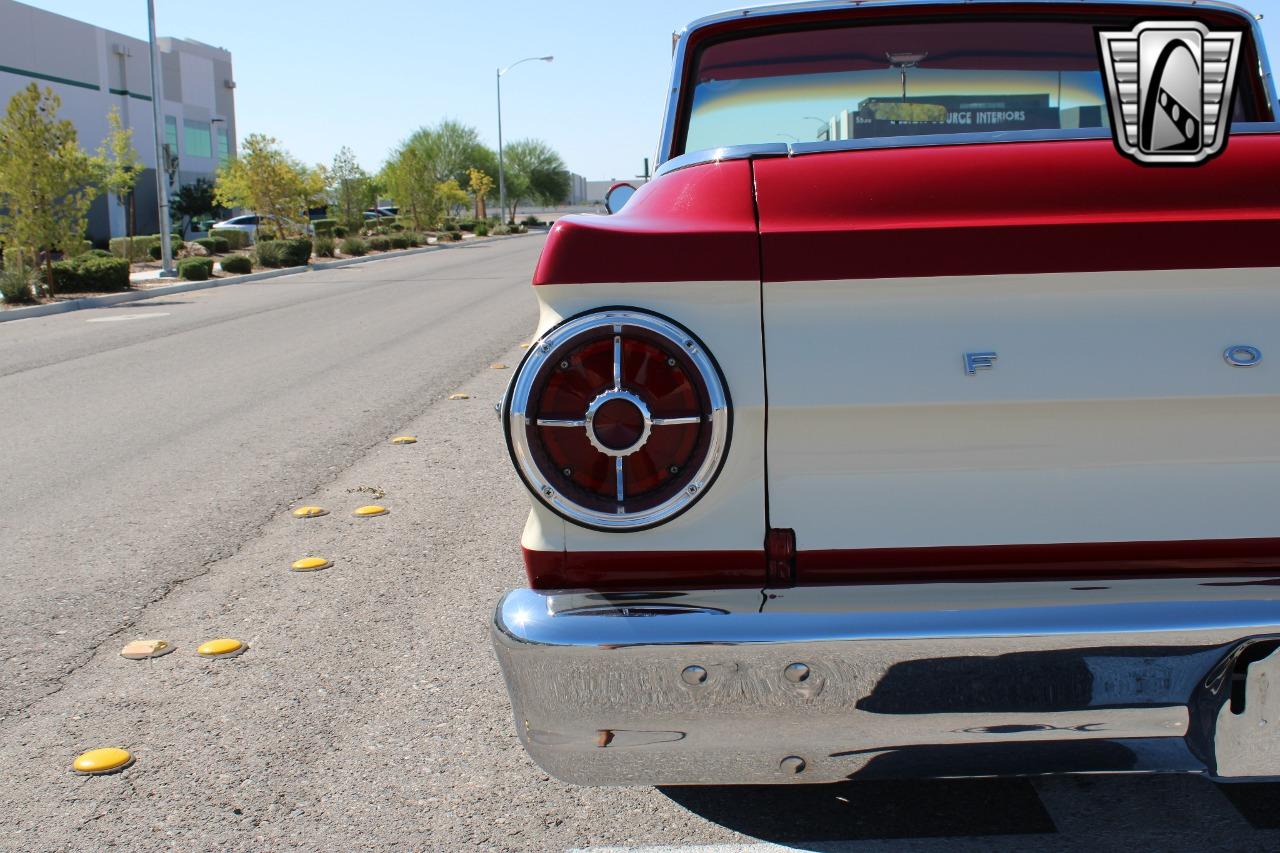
{"x":877,"y":117}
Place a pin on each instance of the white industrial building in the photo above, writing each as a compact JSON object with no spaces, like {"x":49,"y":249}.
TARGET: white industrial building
{"x":92,"y":70}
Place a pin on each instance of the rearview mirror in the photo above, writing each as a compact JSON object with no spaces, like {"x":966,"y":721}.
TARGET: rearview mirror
{"x":617,"y":196}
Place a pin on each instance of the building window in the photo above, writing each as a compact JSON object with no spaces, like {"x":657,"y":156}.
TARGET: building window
{"x":196,"y":141}
{"x":171,"y":134}
{"x":224,"y":146}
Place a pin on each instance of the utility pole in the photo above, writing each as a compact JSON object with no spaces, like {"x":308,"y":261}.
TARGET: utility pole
{"x":162,"y":164}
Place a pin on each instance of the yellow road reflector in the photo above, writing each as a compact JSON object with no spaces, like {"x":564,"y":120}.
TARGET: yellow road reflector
{"x":310,"y":511}
{"x":459,"y":396}
{"x":108,"y":759}
{"x":223,"y":647}
{"x":311,"y":564}
{"x":497,"y":365}
{"x":370,"y":511}
{"x":405,"y":439}
{"x":144,"y":649}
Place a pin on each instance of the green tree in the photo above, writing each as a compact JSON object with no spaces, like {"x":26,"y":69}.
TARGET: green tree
{"x":272,"y":183}
{"x":453,"y":149}
{"x":480,"y":185}
{"x":194,"y":199}
{"x":46,"y":180}
{"x":120,"y":169}
{"x":535,"y":172}
{"x":410,"y":180}
{"x":351,"y":189}
{"x":453,"y":198}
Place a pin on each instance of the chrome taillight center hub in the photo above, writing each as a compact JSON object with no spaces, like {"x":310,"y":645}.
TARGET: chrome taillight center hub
{"x":618,"y":423}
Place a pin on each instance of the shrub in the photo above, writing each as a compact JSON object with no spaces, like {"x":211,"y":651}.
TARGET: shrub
{"x":195,"y":269}
{"x":467,"y":225}
{"x":294,"y":252}
{"x":324,"y":226}
{"x":237,"y":264}
{"x":354,"y":246}
{"x":399,"y":241}
{"x":414,"y":238}
{"x":98,"y":253}
{"x":530,"y":220}
{"x":13,"y":259}
{"x":298,"y":251}
{"x":175,"y":245}
{"x":324,"y":246}
{"x":90,"y":273}
{"x":379,"y":243}
{"x":270,"y":253}
{"x":235,"y":239}
{"x":482,"y":229}
{"x":119,"y":246}
{"x":339,"y":231}
{"x":214,"y":245}
{"x":501,"y":230}
{"x":15,"y":283}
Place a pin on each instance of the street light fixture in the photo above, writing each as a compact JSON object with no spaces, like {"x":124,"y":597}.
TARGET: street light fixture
{"x":502,"y":177}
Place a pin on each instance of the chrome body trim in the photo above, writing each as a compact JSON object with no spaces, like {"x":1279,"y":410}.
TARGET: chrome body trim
{"x":1242,"y":355}
{"x":617,"y":392}
{"x":1007,"y":678}
{"x":666,"y":140}
{"x":516,"y":407}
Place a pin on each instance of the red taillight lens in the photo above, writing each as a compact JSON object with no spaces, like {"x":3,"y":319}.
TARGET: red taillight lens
{"x":618,"y":420}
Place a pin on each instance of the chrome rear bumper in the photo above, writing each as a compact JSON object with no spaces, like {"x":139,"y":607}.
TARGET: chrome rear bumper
{"x":819,"y":684}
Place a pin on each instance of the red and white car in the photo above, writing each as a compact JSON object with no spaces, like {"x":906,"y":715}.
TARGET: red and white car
{"x":904,"y":425}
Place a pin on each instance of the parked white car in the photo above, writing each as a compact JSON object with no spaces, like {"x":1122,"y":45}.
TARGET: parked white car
{"x":247,"y":223}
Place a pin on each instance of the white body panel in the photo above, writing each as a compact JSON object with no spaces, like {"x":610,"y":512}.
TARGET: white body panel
{"x":726,"y":316}
{"x":1110,"y":414}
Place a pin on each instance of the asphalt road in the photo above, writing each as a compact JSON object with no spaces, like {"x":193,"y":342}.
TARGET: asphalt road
{"x":149,"y":457}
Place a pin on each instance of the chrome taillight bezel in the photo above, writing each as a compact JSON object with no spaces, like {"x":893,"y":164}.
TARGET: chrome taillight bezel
{"x":515,"y":414}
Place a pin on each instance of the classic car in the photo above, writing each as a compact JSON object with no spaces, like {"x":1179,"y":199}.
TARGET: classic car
{"x":916,"y":418}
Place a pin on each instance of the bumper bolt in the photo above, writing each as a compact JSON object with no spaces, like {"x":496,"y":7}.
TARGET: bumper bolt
{"x":693,"y":675}
{"x":796,"y":673}
{"x":792,"y":764}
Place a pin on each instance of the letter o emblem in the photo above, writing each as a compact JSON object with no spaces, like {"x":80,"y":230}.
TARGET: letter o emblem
{"x":1242,"y":356}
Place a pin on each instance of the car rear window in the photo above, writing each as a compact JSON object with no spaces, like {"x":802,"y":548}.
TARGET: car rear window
{"x":871,"y":80}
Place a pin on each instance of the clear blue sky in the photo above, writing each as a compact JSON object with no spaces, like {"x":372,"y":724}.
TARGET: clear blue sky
{"x":322,"y":74}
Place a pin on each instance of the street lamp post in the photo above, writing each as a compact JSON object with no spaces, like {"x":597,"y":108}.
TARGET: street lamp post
{"x":502,"y":176}
{"x":162,"y":186}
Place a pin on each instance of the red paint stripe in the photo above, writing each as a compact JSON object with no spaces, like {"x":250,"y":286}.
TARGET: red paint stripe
{"x":1030,"y":207}
{"x":1059,"y":560}
{"x":624,"y":570}
{"x":639,"y":570}
{"x":695,"y":224}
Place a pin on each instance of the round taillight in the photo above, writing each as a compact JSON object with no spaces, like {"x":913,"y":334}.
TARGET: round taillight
{"x":618,"y":419}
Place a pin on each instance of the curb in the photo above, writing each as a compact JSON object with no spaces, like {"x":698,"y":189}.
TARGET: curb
{"x":186,"y":286}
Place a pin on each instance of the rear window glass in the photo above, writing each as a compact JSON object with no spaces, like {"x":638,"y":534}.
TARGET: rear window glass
{"x":874,"y":81}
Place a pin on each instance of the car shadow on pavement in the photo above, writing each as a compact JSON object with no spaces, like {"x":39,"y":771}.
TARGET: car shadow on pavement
{"x":880,"y":809}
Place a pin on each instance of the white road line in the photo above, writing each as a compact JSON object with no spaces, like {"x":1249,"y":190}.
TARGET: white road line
{"x":127,"y":317}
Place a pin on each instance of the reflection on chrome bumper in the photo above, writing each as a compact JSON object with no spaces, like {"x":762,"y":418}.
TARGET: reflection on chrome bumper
{"x":824,"y":683}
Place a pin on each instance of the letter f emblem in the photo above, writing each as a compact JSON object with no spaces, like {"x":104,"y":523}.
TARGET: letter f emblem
{"x":975,"y":361}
